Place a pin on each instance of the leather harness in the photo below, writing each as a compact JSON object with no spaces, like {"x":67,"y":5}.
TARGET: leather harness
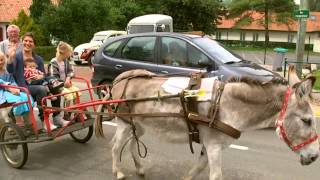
{"x":190,"y":111}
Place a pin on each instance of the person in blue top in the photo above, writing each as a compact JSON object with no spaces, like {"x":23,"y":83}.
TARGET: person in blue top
{"x":12,"y":95}
{"x":17,"y":67}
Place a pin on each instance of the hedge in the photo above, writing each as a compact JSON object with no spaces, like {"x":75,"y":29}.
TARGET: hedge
{"x":260,"y":44}
{"x":47,"y":52}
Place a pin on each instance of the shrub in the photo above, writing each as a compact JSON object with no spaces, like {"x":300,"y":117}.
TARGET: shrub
{"x":47,"y":52}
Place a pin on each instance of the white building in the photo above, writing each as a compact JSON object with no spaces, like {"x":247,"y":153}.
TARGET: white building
{"x":228,"y":30}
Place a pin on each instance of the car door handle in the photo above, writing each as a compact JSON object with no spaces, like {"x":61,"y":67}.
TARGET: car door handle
{"x":118,"y":66}
{"x":164,"y":72}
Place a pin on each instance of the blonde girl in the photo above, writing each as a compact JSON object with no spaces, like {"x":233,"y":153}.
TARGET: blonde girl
{"x":61,"y":68}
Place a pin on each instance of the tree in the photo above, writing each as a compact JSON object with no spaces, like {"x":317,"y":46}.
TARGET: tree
{"x":27,"y":24}
{"x":314,"y":5}
{"x":279,"y":10}
{"x":75,"y":21}
{"x":37,"y":8}
{"x":188,"y":15}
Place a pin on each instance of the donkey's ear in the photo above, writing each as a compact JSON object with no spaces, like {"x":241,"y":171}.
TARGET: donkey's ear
{"x":304,"y":88}
{"x":293,"y":77}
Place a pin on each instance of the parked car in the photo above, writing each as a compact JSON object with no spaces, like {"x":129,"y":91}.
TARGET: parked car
{"x":84,"y":52}
{"x":166,"y":53}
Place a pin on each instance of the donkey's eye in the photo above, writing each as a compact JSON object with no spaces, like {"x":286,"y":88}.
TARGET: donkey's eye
{"x":307,"y":121}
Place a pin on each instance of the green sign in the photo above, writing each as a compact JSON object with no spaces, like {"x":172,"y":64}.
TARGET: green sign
{"x":301,"y":13}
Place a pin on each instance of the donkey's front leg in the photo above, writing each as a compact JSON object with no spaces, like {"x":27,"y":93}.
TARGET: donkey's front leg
{"x":134,"y":150}
{"x":122,"y":134}
{"x":215,"y":161}
{"x":199,"y":166}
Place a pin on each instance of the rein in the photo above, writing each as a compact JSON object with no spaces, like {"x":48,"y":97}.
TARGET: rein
{"x":280,"y":121}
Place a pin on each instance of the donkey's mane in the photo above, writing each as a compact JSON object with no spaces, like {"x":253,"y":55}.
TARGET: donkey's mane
{"x":257,"y":88}
{"x":256,"y":82}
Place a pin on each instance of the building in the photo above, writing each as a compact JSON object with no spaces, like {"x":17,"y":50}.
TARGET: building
{"x":9,"y":11}
{"x":255,"y":31}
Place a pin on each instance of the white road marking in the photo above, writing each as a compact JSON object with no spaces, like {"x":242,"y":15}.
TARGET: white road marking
{"x":244,"y":148}
{"x":109,"y":123}
{"x":233,"y":146}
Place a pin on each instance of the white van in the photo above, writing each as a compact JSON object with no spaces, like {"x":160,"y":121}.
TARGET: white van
{"x":150,"y":23}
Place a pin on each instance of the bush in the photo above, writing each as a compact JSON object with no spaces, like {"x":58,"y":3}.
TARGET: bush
{"x":260,"y":44}
{"x":47,"y":52}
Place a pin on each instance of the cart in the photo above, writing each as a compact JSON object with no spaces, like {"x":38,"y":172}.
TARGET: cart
{"x":14,"y":139}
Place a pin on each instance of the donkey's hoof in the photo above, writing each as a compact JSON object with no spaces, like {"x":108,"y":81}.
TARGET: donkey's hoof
{"x":140,"y":172}
{"x":120,"y":175}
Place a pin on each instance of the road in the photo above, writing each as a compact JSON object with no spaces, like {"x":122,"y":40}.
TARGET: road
{"x":257,"y":155}
{"x":266,"y":158}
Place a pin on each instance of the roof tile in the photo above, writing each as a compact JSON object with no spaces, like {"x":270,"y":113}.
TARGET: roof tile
{"x":313,"y":23}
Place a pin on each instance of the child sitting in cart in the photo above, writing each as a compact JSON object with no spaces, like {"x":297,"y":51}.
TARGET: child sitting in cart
{"x":61,"y":68}
{"x":12,"y":95}
{"x":31,"y":72}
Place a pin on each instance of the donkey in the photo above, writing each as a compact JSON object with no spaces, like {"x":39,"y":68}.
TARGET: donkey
{"x":281,"y":104}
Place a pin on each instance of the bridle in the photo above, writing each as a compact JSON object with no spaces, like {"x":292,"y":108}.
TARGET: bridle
{"x":279,"y":124}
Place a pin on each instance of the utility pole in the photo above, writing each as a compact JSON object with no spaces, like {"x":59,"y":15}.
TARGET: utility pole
{"x":301,"y":37}
{"x":266,"y":24}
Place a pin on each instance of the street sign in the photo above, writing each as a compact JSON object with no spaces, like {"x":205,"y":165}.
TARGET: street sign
{"x":302,"y":13}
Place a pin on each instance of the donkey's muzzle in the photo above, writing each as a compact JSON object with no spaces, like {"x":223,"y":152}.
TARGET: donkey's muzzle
{"x":308,"y":160}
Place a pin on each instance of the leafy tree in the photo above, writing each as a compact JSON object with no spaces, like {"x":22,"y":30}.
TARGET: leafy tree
{"x":26,"y":24}
{"x":188,"y":15}
{"x":281,"y":9}
{"x":75,"y":21}
{"x":38,"y":7}
{"x":314,"y":5}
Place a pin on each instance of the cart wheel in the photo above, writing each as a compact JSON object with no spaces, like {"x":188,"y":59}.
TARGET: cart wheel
{"x":82,"y":135}
{"x":16,"y":155}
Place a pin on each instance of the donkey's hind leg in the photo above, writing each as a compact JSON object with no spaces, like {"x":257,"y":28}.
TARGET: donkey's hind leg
{"x":122,"y":134}
{"x":199,"y":166}
{"x":134,"y":150}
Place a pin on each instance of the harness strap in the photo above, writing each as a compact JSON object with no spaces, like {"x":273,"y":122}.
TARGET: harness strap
{"x":219,"y":125}
{"x":215,"y":101}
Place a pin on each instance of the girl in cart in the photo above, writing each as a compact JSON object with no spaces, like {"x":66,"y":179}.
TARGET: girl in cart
{"x":61,"y":69}
{"x":11,"y":95}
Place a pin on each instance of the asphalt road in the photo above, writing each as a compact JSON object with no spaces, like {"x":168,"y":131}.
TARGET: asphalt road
{"x":266,"y":158}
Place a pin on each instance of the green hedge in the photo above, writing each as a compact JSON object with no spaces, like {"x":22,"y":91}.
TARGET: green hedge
{"x":47,"y":52}
{"x":260,"y":44}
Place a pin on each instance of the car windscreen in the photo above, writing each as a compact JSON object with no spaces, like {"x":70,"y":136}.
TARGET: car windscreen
{"x":98,"y":38}
{"x":217,"y":50}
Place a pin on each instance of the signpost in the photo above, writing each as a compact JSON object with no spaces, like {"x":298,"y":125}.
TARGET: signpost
{"x":302,"y":13}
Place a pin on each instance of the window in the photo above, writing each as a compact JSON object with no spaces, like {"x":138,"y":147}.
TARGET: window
{"x":173,"y":51}
{"x":112,"y":48}
{"x":290,"y":38}
{"x":140,"y":29}
{"x":139,"y":48}
{"x":255,"y":37}
{"x":218,"y":35}
{"x":242,"y":36}
{"x":196,"y":58}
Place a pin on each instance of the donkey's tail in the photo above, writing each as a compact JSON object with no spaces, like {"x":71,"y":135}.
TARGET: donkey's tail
{"x":98,"y":119}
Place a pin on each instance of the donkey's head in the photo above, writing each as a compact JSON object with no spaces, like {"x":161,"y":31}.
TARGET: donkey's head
{"x":296,"y":124}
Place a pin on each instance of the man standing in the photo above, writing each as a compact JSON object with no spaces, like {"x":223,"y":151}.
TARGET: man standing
{"x":13,"y":44}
